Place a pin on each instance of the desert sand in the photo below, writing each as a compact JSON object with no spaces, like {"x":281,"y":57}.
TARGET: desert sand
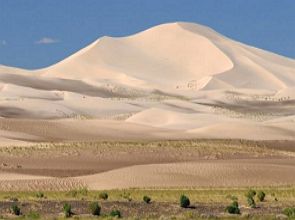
{"x":160,"y":164}
{"x":177,"y":81}
{"x":173,"y":77}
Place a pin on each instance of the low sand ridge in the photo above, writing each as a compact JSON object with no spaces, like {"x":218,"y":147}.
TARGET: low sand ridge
{"x":111,"y":165}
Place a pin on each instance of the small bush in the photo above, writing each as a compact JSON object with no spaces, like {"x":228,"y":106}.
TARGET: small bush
{"x":290,"y":212}
{"x":115,"y":213}
{"x":40,"y":195}
{"x":67,"y":208}
{"x":260,"y":196}
{"x":15,"y":209}
{"x":103,"y":196}
{"x":233,"y":208}
{"x":251,"y":202}
{"x":251,"y":193}
{"x":94,"y":208}
{"x":184,"y":201}
{"x":146,"y":199}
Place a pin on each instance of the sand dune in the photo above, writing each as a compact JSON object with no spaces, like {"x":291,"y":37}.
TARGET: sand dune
{"x":147,"y":164}
{"x":173,"y":81}
{"x":217,"y":173}
{"x":227,"y":173}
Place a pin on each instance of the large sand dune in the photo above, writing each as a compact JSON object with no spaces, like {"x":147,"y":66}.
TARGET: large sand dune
{"x":173,"y":81}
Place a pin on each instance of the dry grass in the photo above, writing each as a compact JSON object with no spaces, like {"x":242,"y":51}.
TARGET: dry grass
{"x":216,"y":148}
{"x":202,"y":195}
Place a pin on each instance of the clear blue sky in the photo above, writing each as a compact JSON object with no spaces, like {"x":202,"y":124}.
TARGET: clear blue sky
{"x":37,"y":33}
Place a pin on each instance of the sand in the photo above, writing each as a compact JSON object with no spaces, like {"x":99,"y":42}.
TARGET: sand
{"x":177,"y":81}
{"x":173,"y":77}
{"x":162,"y":164}
{"x":218,"y":173}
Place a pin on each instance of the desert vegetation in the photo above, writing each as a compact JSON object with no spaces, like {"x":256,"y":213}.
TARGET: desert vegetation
{"x":218,"y":203}
{"x":184,"y":201}
{"x":147,"y":199}
{"x":95,"y":208}
{"x":67,"y":209}
{"x":233,"y":208}
{"x":66,"y":198}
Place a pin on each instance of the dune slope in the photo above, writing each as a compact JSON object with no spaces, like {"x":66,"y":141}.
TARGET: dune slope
{"x":173,"y":81}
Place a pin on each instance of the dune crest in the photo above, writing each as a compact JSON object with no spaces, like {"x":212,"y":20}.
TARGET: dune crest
{"x":177,"y":80}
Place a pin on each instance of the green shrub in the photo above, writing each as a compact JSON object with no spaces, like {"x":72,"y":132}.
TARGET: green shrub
{"x":235,"y":203}
{"x":103,"y":196}
{"x":15,"y":209}
{"x":146,"y":199}
{"x":290,"y":212}
{"x":94,"y":208}
{"x":260,"y":196}
{"x":184,"y":201}
{"x":233,"y":208}
{"x":67,"y":208}
{"x":40,"y":195}
{"x":251,"y":202}
{"x":115,"y":213}
{"x":251,"y":193}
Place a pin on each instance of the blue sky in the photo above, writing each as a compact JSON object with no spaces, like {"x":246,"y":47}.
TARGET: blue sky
{"x":35,"y":33}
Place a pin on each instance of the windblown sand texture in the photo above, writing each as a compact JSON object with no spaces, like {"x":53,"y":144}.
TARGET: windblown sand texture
{"x":173,"y":81}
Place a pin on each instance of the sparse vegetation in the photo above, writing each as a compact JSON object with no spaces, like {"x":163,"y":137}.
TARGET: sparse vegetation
{"x":15,"y":209}
{"x":103,"y":195}
{"x":32,"y":215}
{"x":261,"y":195}
{"x":126,"y":195}
{"x":40,"y":195}
{"x":78,"y":192}
{"x":67,"y":208}
{"x":184,"y":201}
{"x":209,"y":199}
{"x":233,"y":208}
{"x":251,"y":202}
{"x":251,"y":193}
{"x":250,"y":198}
{"x":115,"y":213}
{"x":94,"y":208}
{"x":146,"y":199}
{"x":290,"y":212}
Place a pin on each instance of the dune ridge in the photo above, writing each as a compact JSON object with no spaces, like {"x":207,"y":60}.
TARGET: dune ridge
{"x":173,"y":81}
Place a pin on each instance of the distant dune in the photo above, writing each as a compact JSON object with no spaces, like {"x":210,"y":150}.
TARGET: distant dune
{"x":173,"y":81}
